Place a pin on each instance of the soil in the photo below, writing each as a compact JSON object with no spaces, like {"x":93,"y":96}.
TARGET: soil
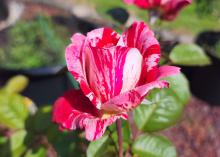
{"x":198,"y":133}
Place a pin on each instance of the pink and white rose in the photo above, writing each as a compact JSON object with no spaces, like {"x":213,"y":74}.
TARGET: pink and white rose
{"x":115,"y":72}
{"x":166,"y":9}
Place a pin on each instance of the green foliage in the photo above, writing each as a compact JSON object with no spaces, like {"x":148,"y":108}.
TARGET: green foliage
{"x":204,"y":7}
{"x":153,"y":146}
{"x":196,"y":23}
{"x":163,"y":107}
{"x":40,"y":152}
{"x":189,"y":55}
{"x":34,"y":44}
{"x":13,"y":109}
{"x":180,"y":86}
{"x":16,"y":84}
{"x":17,"y":143}
{"x":98,"y":148}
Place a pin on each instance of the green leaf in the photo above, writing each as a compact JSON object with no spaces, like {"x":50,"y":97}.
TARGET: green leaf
{"x":17,"y":143}
{"x":189,"y":55}
{"x":153,"y":146}
{"x":16,"y":84}
{"x":164,"y":111}
{"x":13,"y":111}
{"x":43,"y":116}
{"x":98,"y":148}
{"x":40,"y":152}
{"x":162,"y":108}
{"x":180,"y":85}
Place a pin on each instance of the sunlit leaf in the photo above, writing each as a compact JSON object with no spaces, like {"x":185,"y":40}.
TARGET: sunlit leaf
{"x":16,"y":84}
{"x":153,"y":146}
{"x":189,"y":55}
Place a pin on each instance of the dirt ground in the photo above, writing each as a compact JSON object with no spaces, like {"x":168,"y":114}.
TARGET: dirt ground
{"x":198,"y":133}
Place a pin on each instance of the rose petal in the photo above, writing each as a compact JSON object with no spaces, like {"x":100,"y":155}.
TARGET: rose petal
{"x":166,"y":71}
{"x":140,"y":3}
{"x":171,"y":8}
{"x":114,"y":70}
{"x":76,"y":61}
{"x":95,"y":128}
{"x":168,"y":9}
{"x":129,"y":100}
{"x":141,"y":37}
{"x":74,"y":110}
{"x":103,"y":37}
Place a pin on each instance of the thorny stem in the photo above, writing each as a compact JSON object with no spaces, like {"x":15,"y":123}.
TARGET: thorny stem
{"x":120,"y":139}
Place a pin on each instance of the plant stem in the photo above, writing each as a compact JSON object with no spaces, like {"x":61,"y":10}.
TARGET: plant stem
{"x":153,"y":17}
{"x":133,"y":127}
{"x":120,"y":139}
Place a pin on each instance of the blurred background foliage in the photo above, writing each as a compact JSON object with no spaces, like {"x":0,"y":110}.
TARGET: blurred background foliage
{"x":39,"y":42}
{"x":204,"y":14}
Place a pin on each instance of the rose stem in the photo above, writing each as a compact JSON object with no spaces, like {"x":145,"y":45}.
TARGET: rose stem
{"x":120,"y":140}
{"x":133,"y":127}
{"x":153,"y":16}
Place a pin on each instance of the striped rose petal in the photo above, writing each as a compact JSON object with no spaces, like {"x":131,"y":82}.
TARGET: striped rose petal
{"x":103,"y":37}
{"x":113,"y":71}
{"x":166,"y":71}
{"x":131,"y":99}
{"x":74,"y":110}
{"x":141,"y":37}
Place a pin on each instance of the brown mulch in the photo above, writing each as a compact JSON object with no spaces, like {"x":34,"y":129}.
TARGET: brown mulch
{"x":198,"y":133}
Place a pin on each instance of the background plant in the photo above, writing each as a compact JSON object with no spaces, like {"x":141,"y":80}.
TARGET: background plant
{"x":34,"y":44}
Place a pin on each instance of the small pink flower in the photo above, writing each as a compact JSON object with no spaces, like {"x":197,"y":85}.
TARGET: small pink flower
{"x":114,"y":72}
{"x":167,"y":9}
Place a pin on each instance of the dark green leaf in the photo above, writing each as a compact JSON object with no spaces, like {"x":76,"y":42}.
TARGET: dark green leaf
{"x":163,"y":107}
{"x":153,"y":146}
{"x":98,"y":148}
{"x":189,"y":55}
{"x":43,"y":116}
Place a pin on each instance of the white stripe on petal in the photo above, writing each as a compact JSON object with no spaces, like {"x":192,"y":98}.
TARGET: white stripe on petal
{"x":152,"y":61}
{"x":132,"y":69}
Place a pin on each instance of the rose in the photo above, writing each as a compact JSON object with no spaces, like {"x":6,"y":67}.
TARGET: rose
{"x":114,"y":72}
{"x":165,"y":9}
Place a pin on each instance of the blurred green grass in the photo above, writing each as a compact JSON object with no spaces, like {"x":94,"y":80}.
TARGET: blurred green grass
{"x":188,"y":21}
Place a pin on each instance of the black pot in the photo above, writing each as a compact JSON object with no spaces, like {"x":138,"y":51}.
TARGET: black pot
{"x":205,"y":81}
{"x":46,"y":84}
